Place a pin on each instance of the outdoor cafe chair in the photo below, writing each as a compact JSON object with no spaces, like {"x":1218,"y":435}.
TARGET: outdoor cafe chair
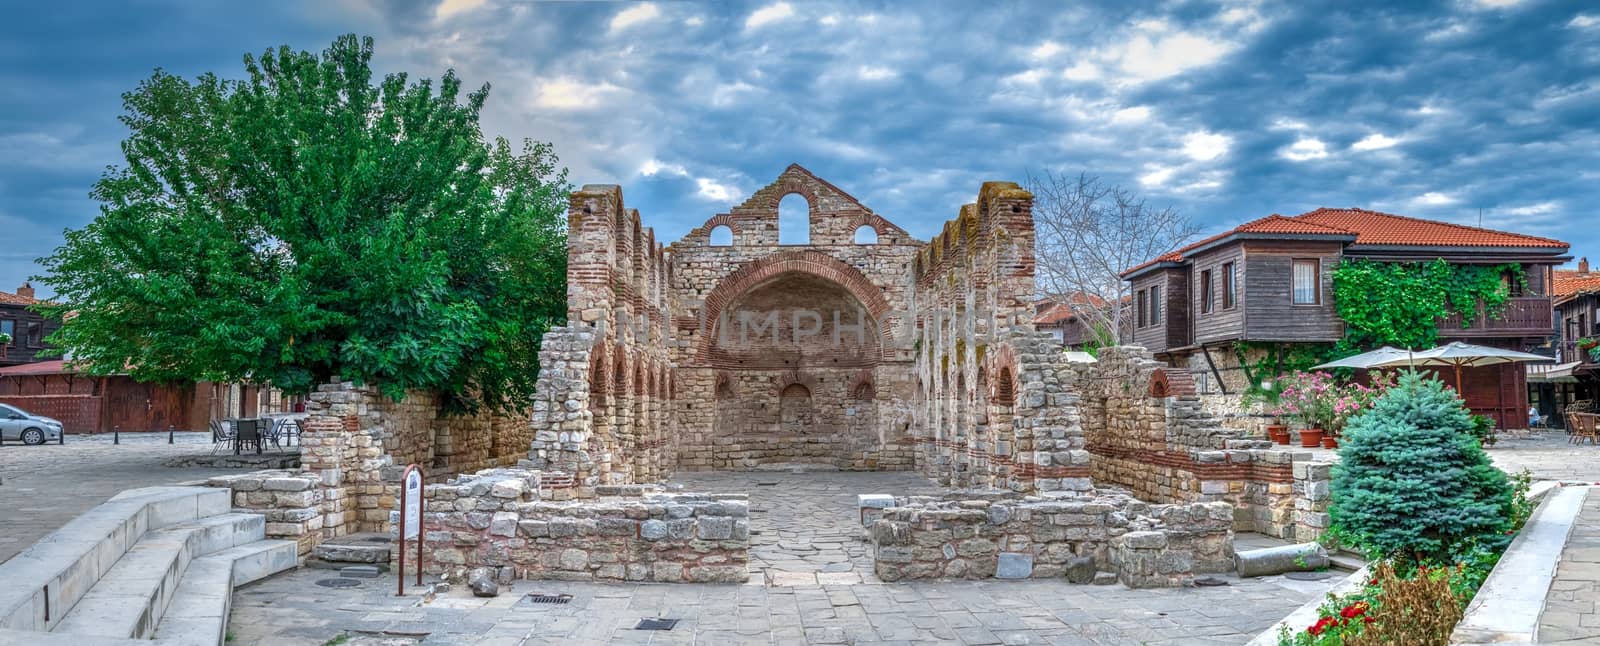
{"x":1586,"y":428}
{"x":247,"y":431}
{"x":221,"y":435}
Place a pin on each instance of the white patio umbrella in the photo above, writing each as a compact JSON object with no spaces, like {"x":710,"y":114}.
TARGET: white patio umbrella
{"x":1373,"y":359}
{"x":1460,"y":355}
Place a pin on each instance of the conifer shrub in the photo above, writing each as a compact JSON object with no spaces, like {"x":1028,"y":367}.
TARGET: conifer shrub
{"x":1413,"y":484}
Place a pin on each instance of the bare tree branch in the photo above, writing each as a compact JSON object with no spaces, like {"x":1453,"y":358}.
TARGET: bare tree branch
{"x":1087,"y":233}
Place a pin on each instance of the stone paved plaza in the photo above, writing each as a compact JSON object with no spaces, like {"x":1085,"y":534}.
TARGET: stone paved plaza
{"x":811,"y":584}
{"x":45,"y":486}
{"x":1571,"y":614}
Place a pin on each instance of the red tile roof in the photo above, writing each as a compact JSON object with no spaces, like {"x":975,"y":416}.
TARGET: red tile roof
{"x":1052,"y":311}
{"x":1375,"y":228}
{"x":1371,"y":228}
{"x":14,"y":299}
{"x":1569,"y":282}
{"x":1271,"y":224}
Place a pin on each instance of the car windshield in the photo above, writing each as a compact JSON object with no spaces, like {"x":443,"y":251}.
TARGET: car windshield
{"x":9,"y":411}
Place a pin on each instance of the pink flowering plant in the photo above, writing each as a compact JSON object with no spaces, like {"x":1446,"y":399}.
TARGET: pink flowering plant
{"x":1353,"y":398}
{"x":1318,"y":400}
{"x":1308,"y":397}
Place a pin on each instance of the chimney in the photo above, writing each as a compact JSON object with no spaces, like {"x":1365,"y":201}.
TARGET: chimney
{"x":1583,"y":266}
{"x":26,"y":290}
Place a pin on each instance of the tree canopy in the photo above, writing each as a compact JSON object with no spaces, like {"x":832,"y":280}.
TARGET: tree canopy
{"x":310,"y":222}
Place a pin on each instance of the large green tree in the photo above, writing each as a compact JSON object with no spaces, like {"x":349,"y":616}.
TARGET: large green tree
{"x":310,"y":221}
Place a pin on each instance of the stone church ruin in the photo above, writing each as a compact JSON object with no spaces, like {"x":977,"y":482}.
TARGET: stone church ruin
{"x":862,"y":349}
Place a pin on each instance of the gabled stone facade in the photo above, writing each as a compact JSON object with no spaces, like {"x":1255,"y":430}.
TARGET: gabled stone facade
{"x":700,"y":356}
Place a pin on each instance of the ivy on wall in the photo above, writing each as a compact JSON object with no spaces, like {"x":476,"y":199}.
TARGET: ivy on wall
{"x":1400,"y":303}
{"x":1273,"y":360}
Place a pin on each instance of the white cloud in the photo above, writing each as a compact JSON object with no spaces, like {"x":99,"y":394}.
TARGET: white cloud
{"x":1285,"y":123}
{"x":569,"y":94}
{"x":653,"y":167}
{"x":694,"y":21}
{"x":769,"y":14}
{"x":1498,"y":4}
{"x":874,"y":73}
{"x":1148,"y":59}
{"x":1157,"y":176}
{"x":1082,"y":71}
{"x":634,"y":15}
{"x":1374,"y":141}
{"x":710,"y":189}
{"x":1305,"y":149}
{"x":829,"y":20}
{"x":1434,"y":198}
{"x":1135,"y":114}
{"x":452,"y":7}
{"x":1584,"y":21}
{"x":1029,"y":77}
{"x":1046,"y":50}
{"x":1206,"y":146}
{"x":1541,"y":208}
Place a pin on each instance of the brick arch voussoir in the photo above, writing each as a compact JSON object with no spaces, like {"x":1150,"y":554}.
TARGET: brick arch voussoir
{"x":823,"y":266}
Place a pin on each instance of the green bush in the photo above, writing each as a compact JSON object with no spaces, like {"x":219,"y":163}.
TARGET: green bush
{"x":1413,"y":484}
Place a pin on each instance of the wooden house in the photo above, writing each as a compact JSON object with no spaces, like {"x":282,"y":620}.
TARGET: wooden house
{"x":1270,"y":281}
{"x":27,"y":329}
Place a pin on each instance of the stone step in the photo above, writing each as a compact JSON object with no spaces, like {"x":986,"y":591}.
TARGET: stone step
{"x":130,"y":598}
{"x":355,"y":548}
{"x":64,"y":565}
{"x":198,"y":614}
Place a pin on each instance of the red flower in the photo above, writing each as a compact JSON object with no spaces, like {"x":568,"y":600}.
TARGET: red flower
{"x":1369,"y":619}
{"x":1353,"y":610}
{"x":1321,"y":625}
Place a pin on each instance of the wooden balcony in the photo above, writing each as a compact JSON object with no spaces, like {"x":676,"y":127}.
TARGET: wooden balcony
{"x":1528,"y":316}
{"x":1570,"y":352}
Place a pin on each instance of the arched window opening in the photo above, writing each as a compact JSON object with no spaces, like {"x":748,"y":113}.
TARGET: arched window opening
{"x":797,"y":391}
{"x":795,"y":414}
{"x":864,"y":391}
{"x":722,"y":236}
{"x":866,"y":235}
{"x":1004,"y":392}
{"x":794,"y":220}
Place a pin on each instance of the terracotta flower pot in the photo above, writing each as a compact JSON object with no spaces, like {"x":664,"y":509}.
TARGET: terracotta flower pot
{"x":1310,"y":438}
{"x":1278,"y":433}
{"x":1330,"y":442}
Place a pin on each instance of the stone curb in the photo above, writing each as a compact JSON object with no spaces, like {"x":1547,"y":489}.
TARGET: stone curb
{"x":1506,"y":609}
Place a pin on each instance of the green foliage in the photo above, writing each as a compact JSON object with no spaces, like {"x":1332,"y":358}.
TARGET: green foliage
{"x":1400,"y":303}
{"x":1483,"y":430}
{"x":308,"y":222}
{"x":1264,"y":374}
{"x":1100,"y":336}
{"x":1413,"y":484}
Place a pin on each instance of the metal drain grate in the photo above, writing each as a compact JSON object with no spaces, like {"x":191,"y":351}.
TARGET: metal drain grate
{"x":338,"y":583}
{"x":549,"y":598}
{"x":656,"y":624}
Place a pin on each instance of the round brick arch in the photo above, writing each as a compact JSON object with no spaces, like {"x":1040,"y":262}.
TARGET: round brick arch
{"x":757,"y":272}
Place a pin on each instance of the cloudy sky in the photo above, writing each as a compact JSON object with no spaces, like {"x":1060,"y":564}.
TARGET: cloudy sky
{"x":1227,"y":111}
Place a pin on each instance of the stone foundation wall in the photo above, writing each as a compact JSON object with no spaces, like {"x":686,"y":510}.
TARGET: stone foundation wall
{"x":358,"y":441}
{"x":974,"y":538}
{"x":1150,"y":433}
{"x":628,"y":533}
{"x":291,"y":501}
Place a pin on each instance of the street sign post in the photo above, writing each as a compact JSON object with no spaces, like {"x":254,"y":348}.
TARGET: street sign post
{"x":411,"y":493}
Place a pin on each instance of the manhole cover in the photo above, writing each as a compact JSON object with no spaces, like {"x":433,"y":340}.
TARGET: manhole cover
{"x":656,"y":624}
{"x":766,"y":484}
{"x":549,"y":598}
{"x":1208,"y":581}
{"x":377,"y":539}
{"x":338,"y":583}
{"x":1307,"y":576}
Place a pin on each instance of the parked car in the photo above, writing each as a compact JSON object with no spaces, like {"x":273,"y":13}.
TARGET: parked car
{"x":17,"y":424}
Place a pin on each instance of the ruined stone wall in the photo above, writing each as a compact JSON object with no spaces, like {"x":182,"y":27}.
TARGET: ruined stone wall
{"x":1149,"y":433}
{"x":992,"y":408}
{"x":290,"y":501}
{"x":732,"y":369}
{"x":1224,"y":382}
{"x":603,"y":402}
{"x":496,"y":518}
{"x":358,"y":442}
{"x":973,"y":538}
